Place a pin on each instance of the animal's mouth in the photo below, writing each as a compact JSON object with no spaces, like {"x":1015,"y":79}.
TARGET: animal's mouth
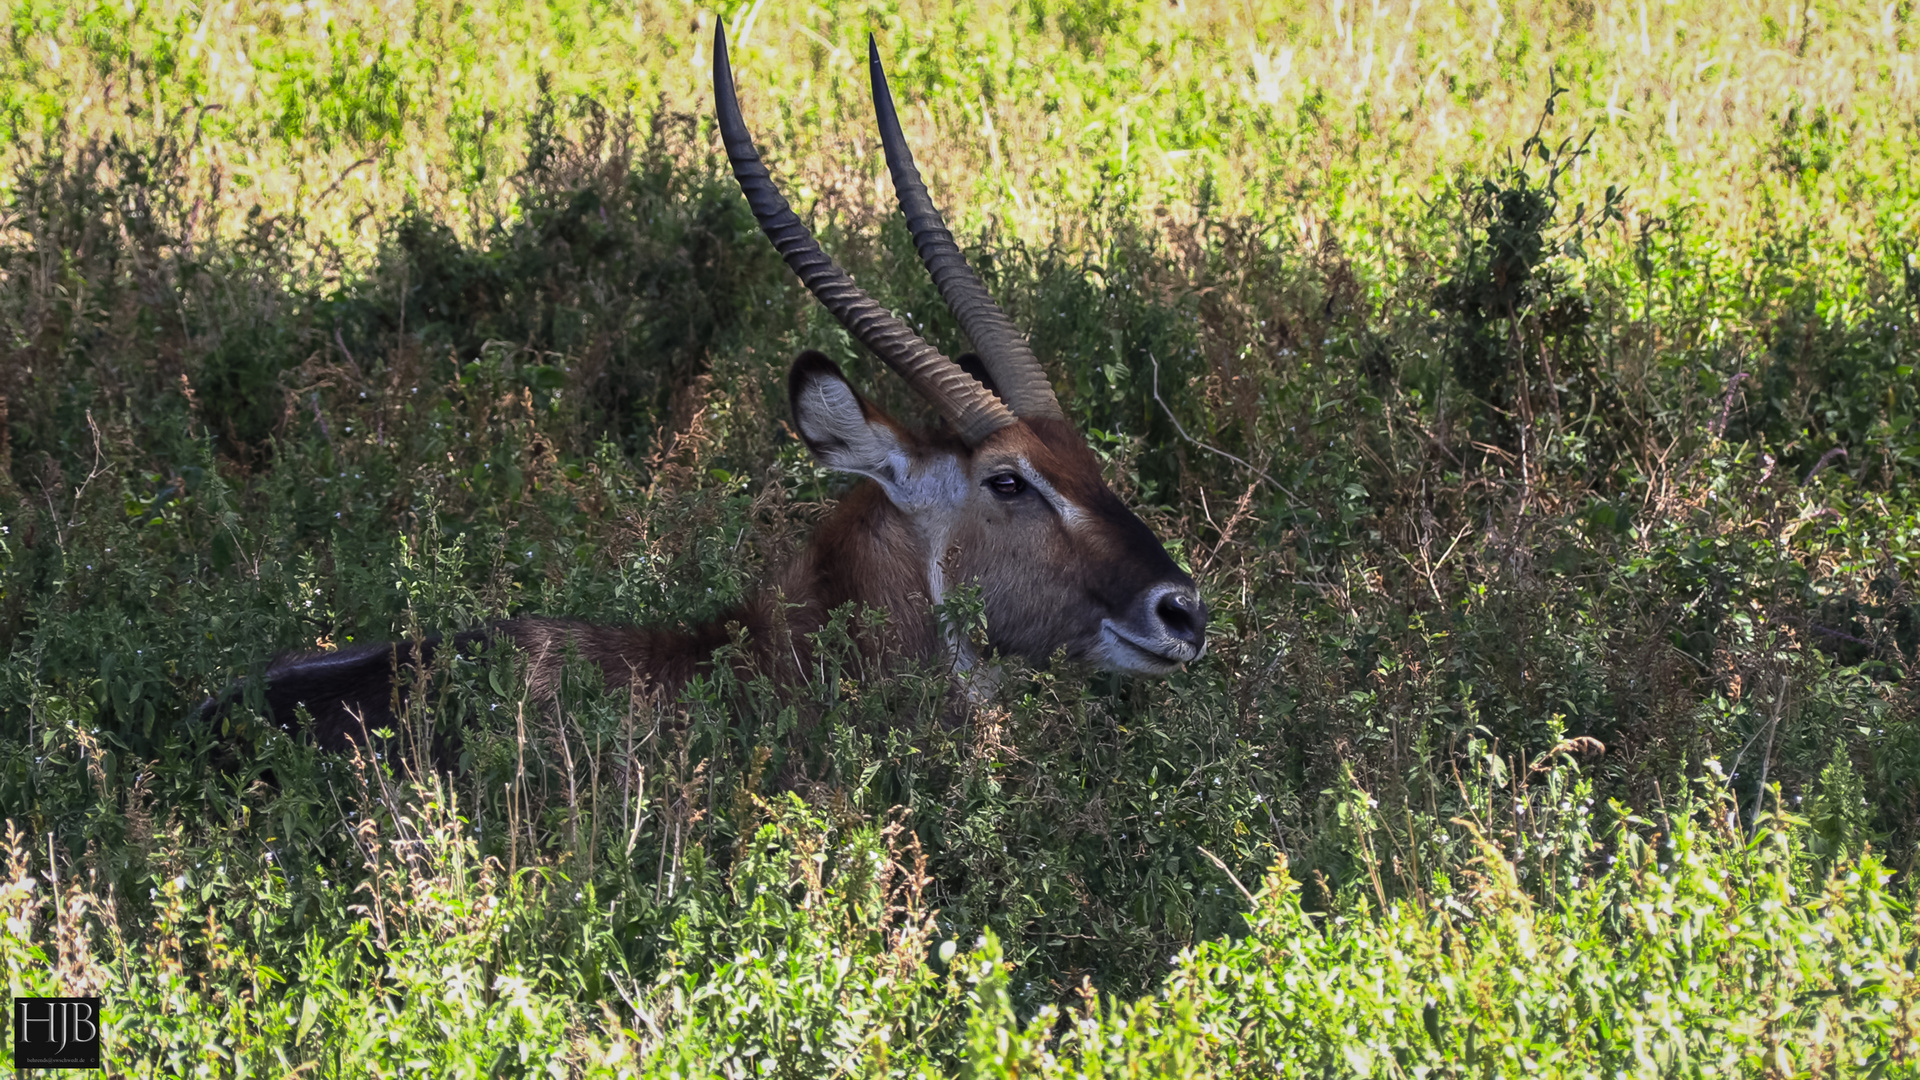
{"x":1124,"y":650}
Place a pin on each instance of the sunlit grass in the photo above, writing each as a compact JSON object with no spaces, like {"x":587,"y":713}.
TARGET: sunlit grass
{"x":1328,"y":120}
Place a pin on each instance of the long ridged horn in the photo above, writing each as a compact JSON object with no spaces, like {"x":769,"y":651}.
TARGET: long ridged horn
{"x":969,"y":407}
{"x":1017,"y":375}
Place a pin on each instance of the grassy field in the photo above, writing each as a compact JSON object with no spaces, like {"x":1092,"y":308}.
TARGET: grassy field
{"x":1530,"y":388}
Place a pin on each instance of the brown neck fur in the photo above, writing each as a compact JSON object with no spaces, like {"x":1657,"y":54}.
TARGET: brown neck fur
{"x":866,"y":552}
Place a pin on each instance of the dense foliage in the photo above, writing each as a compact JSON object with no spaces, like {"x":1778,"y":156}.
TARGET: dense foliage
{"x":1546,"y":457}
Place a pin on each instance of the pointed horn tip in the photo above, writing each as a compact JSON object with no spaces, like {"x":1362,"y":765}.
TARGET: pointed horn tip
{"x":723,"y":87}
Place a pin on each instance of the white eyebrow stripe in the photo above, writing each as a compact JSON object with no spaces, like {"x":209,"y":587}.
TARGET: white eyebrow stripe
{"x":1070,"y":513}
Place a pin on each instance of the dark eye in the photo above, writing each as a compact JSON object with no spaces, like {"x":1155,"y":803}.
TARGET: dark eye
{"x":1006,"y":485}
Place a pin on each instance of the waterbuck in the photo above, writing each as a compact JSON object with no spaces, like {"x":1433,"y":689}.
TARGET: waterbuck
{"x":1008,"y":496}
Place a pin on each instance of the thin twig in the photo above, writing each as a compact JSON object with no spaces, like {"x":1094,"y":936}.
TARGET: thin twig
{"x":344,"y":173}
{"x":1242,"y":462}
{"x":1230,"y":874}
{"x":53,"y":875}
{"x":59,"y":534}
{"x":1838,"y":451}
{"x":1773,"y":726}
{"x":340,"y":341}
{"x":639,"y":812}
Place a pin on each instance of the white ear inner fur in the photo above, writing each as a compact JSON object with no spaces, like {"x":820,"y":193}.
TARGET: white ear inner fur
{"x":829,"y":416}
{"x":930,"y":489}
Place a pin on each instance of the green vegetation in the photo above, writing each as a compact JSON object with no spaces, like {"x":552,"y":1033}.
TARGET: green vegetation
{"x":1531,"y":390}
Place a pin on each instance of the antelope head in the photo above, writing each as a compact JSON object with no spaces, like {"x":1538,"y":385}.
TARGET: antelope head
{"x":1010,"y":498}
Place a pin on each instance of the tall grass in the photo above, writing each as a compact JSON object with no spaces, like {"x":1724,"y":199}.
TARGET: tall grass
{"x":1531,"y":390}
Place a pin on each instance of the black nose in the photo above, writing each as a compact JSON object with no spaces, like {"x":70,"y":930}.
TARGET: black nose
{"x":1183,"y":616}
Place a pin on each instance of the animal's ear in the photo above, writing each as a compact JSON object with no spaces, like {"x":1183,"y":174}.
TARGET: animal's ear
{"x":844,"y":430}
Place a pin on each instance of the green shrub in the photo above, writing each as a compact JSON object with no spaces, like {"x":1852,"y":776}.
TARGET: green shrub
{"x":1520,"y":487}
